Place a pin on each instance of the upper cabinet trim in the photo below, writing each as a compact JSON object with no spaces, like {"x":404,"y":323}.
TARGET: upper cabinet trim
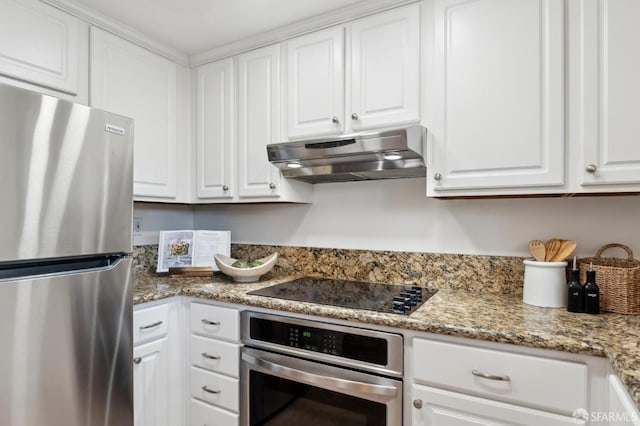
{"x":119,"y":29}
{"x":316,"y":23}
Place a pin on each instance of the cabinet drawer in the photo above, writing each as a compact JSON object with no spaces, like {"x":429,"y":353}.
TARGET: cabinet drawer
{"x":436,"y":407}
{"x":214,"y":321}
{"x":205,"y":414}
{"x":215,"y":389}
{"x":537,"y":382}
{"x":150,"y":323}
{"x":215,"y":355}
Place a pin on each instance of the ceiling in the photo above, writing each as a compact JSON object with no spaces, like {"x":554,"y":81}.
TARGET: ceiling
{"x":195,"y":26}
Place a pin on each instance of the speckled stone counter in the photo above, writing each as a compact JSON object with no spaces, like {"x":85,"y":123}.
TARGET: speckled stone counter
{"x":496,"y":317}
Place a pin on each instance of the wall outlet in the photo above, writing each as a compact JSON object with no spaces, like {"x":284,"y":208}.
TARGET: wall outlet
{"x":137,"y":225}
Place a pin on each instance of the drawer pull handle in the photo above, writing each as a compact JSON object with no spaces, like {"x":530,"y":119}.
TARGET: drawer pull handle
{"x":207,"y":322}
{"x":155,"y":324}
{"x":207,"y":356}
{"x":137,"y":360}
{"x":206,"y":389}
{"x":490,"y":376}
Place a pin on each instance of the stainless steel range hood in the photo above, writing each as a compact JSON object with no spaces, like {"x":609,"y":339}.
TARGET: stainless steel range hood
{"x":388,"y":154}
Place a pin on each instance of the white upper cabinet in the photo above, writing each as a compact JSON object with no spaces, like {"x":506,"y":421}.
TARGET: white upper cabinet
{"x":609,"y":90}
{"x":238,"y":114}
{"x":315,"y":74}
{"x":129,"y":80}
{"x":385,"y":65}
{"x":41,"y":45}
{"x":258,"y":119}
{"x":497,"y":124}
{"x":215,"y":130}
{"x":380,"y":58}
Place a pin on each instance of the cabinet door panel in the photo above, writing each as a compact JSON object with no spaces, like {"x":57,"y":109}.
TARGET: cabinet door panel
{"x":258,"y":118}
{"x":385,"y":52}
{"x":216,"y":133}
{"x":131,"y":81}
{"x":499,"y":82}
{"x":39,"y":44}
{"x":620,"y":405}
{"x":150,"y":384}
{"x":316,"y":83}
{"x":443,"y":408}
{"x":205,"y":414}
{"x":610,"y":90}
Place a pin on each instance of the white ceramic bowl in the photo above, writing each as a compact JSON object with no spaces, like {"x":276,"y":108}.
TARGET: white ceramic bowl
{"x":245,"y":275}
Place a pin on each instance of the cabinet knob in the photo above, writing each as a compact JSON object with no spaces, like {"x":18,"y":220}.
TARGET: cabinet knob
{"x":137,"y":360}
{"x":272,"y":185}
{"x":437,"y":176}
{"x":225,"y":188}
{"x":591,"y":168}
{"x":335,"y":120}
{"x":354,"y":116}
{"x":417,"y":403}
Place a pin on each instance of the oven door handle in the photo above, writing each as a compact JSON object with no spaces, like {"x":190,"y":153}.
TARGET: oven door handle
{"x":348,"y":386}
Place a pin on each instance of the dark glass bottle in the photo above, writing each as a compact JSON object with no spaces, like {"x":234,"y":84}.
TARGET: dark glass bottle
{"x":591,"y":293}
{"x":575,"y":299}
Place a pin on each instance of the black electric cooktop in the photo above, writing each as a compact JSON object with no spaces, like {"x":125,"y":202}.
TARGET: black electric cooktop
{"x":398,"y":299}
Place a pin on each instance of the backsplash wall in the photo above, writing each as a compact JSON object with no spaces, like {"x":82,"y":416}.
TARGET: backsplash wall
{"x":498,"y":274}
{"x":396,"y":215}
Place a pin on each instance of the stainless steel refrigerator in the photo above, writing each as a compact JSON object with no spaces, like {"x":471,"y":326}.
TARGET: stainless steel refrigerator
{"x":65,"y":263}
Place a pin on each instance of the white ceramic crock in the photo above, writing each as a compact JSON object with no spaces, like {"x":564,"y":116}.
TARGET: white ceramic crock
{"x":545,"y":284}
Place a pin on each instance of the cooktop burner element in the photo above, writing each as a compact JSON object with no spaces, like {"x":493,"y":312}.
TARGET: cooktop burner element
{"x":397,"y":299}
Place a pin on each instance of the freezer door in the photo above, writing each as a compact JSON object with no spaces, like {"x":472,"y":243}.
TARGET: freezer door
{"x":66,"y":349}
{"x":67,"y":178}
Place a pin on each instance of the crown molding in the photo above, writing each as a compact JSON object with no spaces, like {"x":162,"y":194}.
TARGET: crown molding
{"x":295,"y":29}
{"x":119,"y":29}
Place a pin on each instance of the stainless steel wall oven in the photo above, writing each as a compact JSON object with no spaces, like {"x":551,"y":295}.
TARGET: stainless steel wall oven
{"x":313,"y":373}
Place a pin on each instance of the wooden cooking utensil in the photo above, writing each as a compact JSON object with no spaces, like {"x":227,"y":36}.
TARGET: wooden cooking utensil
{"x":537,"y":250}
{"x":566,"y":248}
{"x":551,"y":249}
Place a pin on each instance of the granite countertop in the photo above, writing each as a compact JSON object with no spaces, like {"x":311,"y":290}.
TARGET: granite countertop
{"x":493,"y":317}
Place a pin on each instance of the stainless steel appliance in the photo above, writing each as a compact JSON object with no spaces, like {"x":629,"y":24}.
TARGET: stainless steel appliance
{"x":387,"y":154}
{"x":301,"y":372}
{"x":390,"y":298}
{"x":65,"y":265}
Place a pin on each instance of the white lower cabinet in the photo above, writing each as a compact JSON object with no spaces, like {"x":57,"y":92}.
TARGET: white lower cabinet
{"x":157,"y":360}
{"x":207,"y":415}
{"x":621,"y":410}
{"x":214,"y":370}
{"x":437,"y":407}
{"x":467,"y":385}
{"x":150,"y":383}
{"x":215,"y":389}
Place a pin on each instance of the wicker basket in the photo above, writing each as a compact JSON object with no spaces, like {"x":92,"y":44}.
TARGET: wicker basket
{"x":618,"y":279}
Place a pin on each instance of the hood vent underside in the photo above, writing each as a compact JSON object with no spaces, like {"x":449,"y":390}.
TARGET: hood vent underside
{"x":389,"y":154}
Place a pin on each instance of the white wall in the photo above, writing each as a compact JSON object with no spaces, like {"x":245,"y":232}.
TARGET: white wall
{"x":157,"y":217}
{"x":396,"y":215}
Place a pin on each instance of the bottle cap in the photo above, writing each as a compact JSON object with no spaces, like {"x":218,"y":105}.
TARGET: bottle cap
{"x":591,"y":275}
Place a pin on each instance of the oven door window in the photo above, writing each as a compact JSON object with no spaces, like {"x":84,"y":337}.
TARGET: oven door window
{"x":276,"y":401}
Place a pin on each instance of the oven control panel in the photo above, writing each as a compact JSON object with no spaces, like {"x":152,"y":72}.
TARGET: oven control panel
{"x":314,"y":338}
